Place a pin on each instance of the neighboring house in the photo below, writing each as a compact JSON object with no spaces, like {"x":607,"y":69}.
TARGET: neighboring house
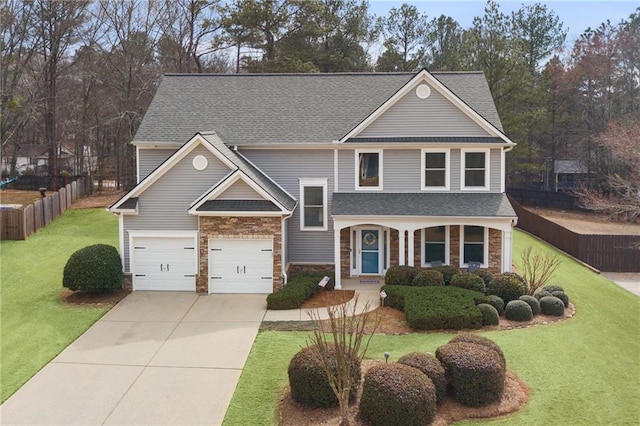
{"x":569,"y":174}
{"x":242,"y":177}
{"x":34,"y":158}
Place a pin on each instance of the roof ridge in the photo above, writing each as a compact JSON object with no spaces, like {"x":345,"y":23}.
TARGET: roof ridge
{"x":325,"y":74}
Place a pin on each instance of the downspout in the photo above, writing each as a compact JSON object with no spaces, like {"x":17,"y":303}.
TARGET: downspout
{"x":283,"y":232}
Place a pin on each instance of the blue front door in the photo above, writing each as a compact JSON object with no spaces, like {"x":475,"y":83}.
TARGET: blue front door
{"x":370,"y":239}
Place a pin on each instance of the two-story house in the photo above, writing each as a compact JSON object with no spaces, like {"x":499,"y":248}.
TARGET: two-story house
{"x":241,"y":177}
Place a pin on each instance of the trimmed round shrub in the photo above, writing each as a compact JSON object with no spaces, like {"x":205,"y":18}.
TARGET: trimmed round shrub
{"x":475,"y":373}
{"x":506,"y":286}
{"x":562,"y":296}
{"x":396,"y":394}
{"x":447,"y":271}
{"x":551,"y":305}
{"x":541,"y":293}
{"x":552,"y":288}
{"x":518,"y":310}
{"x":486,"y":276}
{"x":479,"y":340}
{"x":496,"y":302}
{"x":533,"y":302}
{"x":468,"y":280}
{"x":428,"y":278}
{"x":400,"y":275}
{"x":520,"y":278}
{"x":430,"y":366}
{"x":94,"y":269}
{"x":490,"y":314}
{"x":309,"y":382}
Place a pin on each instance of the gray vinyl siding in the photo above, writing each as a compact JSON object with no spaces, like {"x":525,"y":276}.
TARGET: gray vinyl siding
{"x":287,"y":168}
{"x":165,"y":204}
{"x":433,"y":116}
{"x":455,"y":162}
{"x":346,"y":171}
{"x":150,"y":159}
{"x":495,"y":178}
{"x":401,"y":170}
{"x":240,"y":191}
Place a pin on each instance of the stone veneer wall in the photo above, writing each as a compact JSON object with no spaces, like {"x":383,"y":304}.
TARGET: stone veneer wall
{"x":239,"y":227}
{"x":495,"y":250}
{"x":345,"y":252}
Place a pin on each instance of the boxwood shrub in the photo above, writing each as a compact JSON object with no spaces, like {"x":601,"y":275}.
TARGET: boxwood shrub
{"x":562,"y":296}
{"x":518,"y":310}
{"x":433,"y":308}
{"x":308,"y":379}
{"x":401,"y":275}
{"x":476,"y":373}
{"x":486,"y":276}
{"x":94,"y":269}
{"x":520,"y":278}
{"x":551,"y":288}
{"x":479,"y":340}
{"x":490,"y":314}
{"x":467,"y":280}
{"x":533,"y":302}
{"x":551,"y":305}
{"x":430,"y":366}
{"x":447,"y":271}
{"x":396,"y":394}
{"x":299,"y":288}
{"x":496,"y":302}
{"x":428,"y":277}
{"x":541,"y":293}
{"x":507,"y":286}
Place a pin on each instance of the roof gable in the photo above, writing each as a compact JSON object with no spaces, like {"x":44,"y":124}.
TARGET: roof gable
{"x":425,"y":107}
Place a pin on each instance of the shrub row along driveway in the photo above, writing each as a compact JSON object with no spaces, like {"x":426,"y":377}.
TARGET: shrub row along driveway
{"x":156,"y":358}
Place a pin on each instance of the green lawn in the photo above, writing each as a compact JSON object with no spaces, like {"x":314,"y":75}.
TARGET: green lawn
{"x":35,"y":324}
{"x":583,"y":371}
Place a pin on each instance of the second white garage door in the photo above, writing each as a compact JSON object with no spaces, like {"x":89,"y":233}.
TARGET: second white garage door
{"x":161,"y":263}
{"x":240,"y":266}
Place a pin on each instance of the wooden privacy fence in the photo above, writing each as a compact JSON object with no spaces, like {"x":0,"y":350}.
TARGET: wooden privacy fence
{"x":612,"y":253}
{"x":549,"y":199}
{"x":18,"y":224}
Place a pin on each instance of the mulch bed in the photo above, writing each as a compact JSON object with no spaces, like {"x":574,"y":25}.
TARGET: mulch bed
{"x":94,"y":299}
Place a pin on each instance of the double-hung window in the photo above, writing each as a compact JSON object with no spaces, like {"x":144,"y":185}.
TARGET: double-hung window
{"x":475,"y":169}
{"x":435,"y":169}
{"x":435,"y":245}
{"x":313,"y":202}
{"x":474,"y":245}
{"x":369,"y":169}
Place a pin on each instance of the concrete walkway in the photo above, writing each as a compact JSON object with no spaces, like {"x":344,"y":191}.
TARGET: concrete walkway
{"x":627,"y":280}
{"x":155,"y":358}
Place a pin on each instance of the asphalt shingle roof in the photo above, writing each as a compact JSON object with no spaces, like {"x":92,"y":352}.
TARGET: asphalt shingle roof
{"x":253,"y":109}
{"x":238,"y":206}
{"x":422,"y":204}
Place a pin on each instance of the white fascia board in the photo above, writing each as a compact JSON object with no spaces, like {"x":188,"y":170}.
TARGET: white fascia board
{"x":172,"y":161}
{"x":241,"y":213}
{"x":425,"y":76}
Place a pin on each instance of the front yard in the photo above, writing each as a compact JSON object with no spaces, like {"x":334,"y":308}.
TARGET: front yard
{"x":584,"y":370}
{"x":35,"y":324}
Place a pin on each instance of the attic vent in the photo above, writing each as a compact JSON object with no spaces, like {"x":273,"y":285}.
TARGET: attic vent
{"x":200,"y":162}
{"x":423,"y":91}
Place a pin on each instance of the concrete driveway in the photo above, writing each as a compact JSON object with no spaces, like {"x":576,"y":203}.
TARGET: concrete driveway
{"x":155,"y":358}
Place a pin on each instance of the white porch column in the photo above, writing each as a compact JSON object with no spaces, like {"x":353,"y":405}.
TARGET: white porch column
{"x":401,"y":246}
{"x":336,"y":257}
{"x":507,"y":247}
{"x":410,"y":248}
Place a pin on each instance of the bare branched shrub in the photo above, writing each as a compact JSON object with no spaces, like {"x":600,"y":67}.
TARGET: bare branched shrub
{"x":344,"y":332}
{"x":538,"y":268}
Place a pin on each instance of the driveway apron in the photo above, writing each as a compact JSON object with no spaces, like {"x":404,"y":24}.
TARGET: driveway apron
{"x":155,"y":358}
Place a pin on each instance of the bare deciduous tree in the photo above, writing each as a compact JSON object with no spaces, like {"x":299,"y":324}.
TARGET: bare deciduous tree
{"x":345,"y":330}
{"x":538,"y":268}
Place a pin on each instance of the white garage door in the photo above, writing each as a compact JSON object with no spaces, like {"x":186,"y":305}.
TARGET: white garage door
{"x":240,"y":266}
{"x":161,"y":263}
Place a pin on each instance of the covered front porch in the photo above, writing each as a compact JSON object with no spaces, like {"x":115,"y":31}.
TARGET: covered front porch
{"x":366,"y":245}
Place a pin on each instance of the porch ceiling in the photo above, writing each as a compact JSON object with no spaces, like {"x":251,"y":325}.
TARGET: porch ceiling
{"x":422,"y":204}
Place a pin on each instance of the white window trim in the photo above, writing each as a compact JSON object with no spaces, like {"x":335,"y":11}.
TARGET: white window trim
{"x":380,"y":170}
{"x":314,"y":182}
{"x":487,"y":158}
{"x":486,"y":247}
{"x":423,"y":241}
{"x":447,"y":169}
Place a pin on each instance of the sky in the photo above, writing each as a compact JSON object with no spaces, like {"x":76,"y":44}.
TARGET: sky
{"x":576,"y":15}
